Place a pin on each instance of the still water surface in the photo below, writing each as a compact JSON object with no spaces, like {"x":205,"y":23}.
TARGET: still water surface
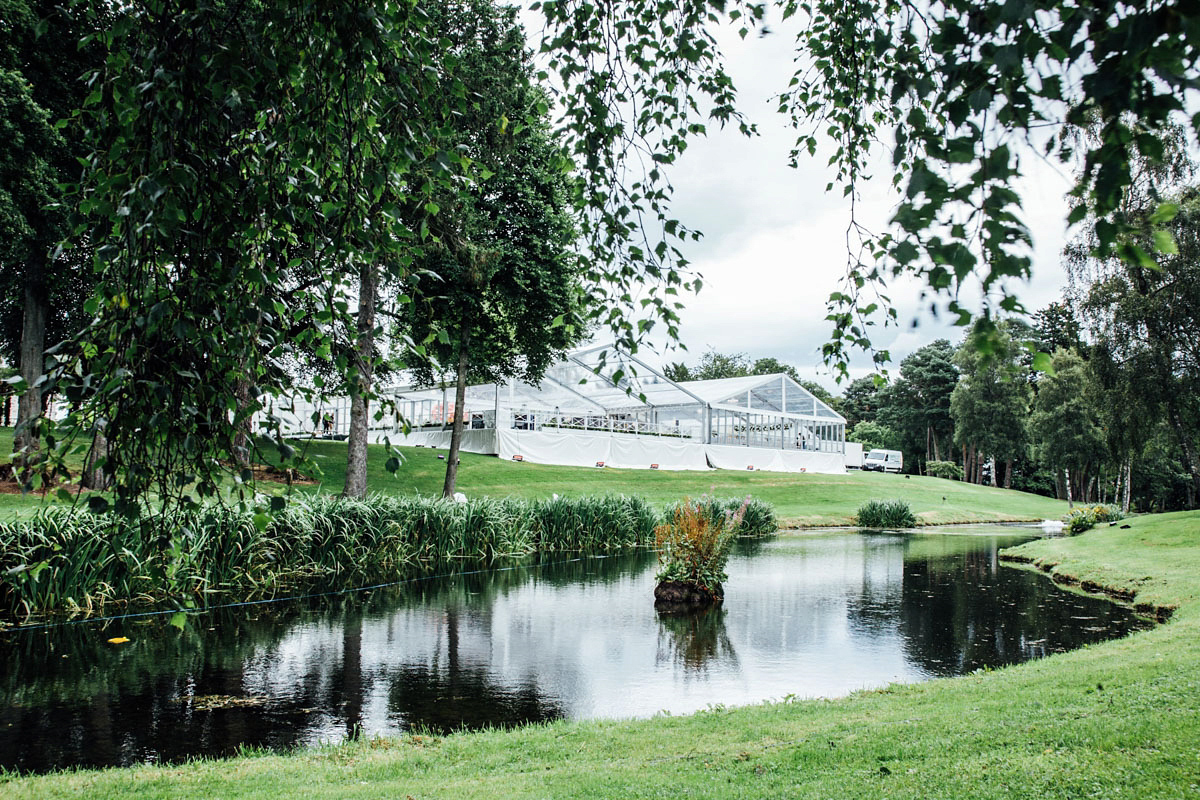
{"x":806,"y":615}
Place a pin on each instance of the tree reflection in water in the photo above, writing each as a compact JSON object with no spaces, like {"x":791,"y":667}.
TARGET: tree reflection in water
{"x":695,"y":639}
{"x":448,"y":696}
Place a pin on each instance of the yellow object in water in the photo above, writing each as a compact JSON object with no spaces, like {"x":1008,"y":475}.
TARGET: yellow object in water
{"x":118,"y":640}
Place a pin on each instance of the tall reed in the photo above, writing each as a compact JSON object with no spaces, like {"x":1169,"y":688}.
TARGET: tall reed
{"x":757,"y":518}
{"x":889,"y":514}
{"x":63,"y":560}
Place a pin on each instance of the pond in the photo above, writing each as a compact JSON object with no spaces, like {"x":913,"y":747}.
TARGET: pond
{"x":806,"y":615}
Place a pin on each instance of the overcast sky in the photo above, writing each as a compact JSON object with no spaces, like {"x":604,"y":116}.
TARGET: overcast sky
{"x":774,"y":243}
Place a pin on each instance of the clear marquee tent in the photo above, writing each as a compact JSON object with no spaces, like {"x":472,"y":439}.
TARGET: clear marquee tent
{"x":604,"y":407}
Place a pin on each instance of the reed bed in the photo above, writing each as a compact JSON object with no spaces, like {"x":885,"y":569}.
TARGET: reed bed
{"x":64,"y":560}
{"x":885,"y":515}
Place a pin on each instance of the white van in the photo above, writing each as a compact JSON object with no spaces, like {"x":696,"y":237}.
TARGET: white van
{"x":884,"y":461}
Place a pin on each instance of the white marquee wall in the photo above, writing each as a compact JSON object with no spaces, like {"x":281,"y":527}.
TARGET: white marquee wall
{"x":586,"y":449}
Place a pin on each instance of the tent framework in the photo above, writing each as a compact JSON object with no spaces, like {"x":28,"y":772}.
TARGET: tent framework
{"x":605,"y":390}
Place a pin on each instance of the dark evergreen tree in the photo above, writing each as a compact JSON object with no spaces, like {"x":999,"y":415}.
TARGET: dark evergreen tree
{"x":917,"y":404}
{"x":990,"y":403}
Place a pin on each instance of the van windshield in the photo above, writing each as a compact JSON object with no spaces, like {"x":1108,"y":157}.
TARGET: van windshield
{"x":880,"y":454}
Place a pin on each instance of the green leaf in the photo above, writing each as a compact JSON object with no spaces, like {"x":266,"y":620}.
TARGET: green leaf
{"x":178,"y":620}
{"x":1164,"y":213}
{"x":1164,"y":243}
{"x":1042,"y":362}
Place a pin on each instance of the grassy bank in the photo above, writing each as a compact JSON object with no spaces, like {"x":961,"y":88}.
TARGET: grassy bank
{"x":1120,"y":719}
{"x":799,"y":499}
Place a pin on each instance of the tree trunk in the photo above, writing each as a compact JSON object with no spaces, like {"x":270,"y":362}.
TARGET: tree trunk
{"x":29,"y":404}
{"x":966,"y":465}
{"x":460,"y":399}
{"x":96,"y":474}
{"x":360,"y":385}
{"x":1008,"y":474}
{"x":1067,"y":481}
{"x":1128,"y":484}
{"x":937,"y":453}
{"x":241,"y":437}
{"x":1191,"y":459}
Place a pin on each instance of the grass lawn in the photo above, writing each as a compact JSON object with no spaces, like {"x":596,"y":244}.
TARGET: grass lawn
{"x":799,"y":499}
{"x":1119,"y":719}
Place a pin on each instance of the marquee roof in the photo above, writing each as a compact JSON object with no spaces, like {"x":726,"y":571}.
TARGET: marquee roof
{"x":609,"y":381}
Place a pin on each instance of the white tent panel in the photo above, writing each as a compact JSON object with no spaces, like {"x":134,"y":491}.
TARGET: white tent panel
{"x":587,"y":449}
{"x":757,"y":458}
{"x":643,"y":452}
{"x":565,"y":448}
{"x":483,"y":441}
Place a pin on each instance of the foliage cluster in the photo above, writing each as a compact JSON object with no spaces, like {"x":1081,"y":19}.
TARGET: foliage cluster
{"x":885,"y":515}
{"x":694,"y":542}
{"x":757,"y":517}
{"x":944,"y":469}
{"x":1082,"y":518}
{"x":65,"y":560}
{"x":873,"y":436}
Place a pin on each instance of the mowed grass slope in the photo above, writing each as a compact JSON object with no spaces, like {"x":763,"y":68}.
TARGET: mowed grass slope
{"x":1119,"y":719}
{"x":799,"y":499}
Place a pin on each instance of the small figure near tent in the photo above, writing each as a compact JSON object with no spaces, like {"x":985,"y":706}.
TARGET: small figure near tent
{"x":327,"y":423}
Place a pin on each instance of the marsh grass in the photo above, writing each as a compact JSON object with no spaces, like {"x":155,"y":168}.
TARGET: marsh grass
{"x":885,"y":515}
{"x":68,"y":560}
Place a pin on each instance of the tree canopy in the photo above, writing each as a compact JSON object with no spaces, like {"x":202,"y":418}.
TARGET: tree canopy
{"x":499,"y":296}
{"x":232,"y":144}
{"x":917,"y":404}
{"x":990,"y":402}
{"x":959,"y":88}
